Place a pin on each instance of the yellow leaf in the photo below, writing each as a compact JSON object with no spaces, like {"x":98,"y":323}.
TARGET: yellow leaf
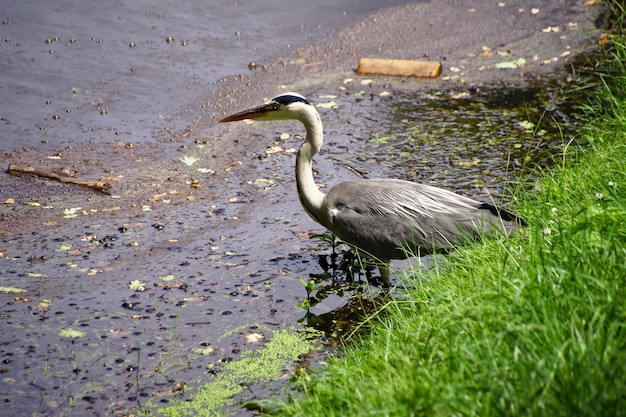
{"x":169,"y":277}
{"x":71,"y":333}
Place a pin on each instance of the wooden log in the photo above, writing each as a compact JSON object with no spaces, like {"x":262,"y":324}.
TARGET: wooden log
{"x":104,"y":187}
{"x":399,"y":67}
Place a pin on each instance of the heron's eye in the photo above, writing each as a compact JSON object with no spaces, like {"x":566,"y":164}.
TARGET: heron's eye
{"x":273,"y":106}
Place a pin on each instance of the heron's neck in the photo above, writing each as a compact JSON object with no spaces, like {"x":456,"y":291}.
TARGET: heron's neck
{"x":311,"y":197}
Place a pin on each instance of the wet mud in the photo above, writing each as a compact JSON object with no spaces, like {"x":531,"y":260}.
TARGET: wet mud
{"x":130,"y":297}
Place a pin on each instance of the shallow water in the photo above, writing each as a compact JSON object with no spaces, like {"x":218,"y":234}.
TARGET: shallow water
{"x":75,"y":72}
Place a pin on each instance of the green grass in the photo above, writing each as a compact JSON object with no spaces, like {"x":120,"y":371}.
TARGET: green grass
{"x":534,"y":325}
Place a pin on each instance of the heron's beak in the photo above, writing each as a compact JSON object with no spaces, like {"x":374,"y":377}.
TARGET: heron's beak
{"x":253,"y":113}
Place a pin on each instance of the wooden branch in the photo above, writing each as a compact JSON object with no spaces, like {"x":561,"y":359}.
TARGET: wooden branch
{"x":401,"y":67}
{"x":104,"y":187}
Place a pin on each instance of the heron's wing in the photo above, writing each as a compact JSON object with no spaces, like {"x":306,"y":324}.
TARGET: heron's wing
{"x":383,"y":217}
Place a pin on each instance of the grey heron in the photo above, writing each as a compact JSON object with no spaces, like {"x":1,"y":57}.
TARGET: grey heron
{"x":385,"y":219}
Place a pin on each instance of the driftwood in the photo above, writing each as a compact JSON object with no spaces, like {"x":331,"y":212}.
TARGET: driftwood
{"x":104,"y":187}
{"x":399,"y":67}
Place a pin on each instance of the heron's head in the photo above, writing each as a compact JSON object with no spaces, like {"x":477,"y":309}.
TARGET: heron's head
{"x":285,"y":106}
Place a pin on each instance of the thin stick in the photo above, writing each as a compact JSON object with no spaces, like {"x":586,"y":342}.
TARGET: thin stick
{"x":104,"y":187}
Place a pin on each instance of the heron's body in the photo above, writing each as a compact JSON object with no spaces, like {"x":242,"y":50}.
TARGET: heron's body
{"x":384,"y":218}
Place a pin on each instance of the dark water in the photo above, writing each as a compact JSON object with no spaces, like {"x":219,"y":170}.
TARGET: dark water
{"x":78,"y":71}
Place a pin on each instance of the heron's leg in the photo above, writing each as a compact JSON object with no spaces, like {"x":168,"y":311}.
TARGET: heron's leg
{"x":383,"y":267}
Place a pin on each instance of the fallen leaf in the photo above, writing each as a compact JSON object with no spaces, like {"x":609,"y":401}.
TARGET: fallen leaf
{"x":307,"y":235}
{"x":9,"y":201}
{"x":168,"y":278}
{"x":604,"y":39}
{"x":254,"y":337}
{"x":71,"y":333}
{"x":486,"y":52}
{"x":204,"y":350}
{"x":285,"y":136}
{"x":64,"y":247}
{"x":34,"y":275}
{"x":189,"y":160}
{"x":43,"y":307}
{"x":511,"y":64}
{"x":137,"y":285}
{"x":191,"y":198}
{"x":527,"y":125}
{"x":70,"y":213}
{"x":264,"y":181}
{"x":461,"y":95}
{"x":33,"y":203}
{"x":327,"y":105}
{"x":274,"y":149}
{"x":11,"y":290}
{"x":173,"y":285}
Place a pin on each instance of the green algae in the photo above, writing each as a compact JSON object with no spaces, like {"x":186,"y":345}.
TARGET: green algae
{"x":260,"y":366}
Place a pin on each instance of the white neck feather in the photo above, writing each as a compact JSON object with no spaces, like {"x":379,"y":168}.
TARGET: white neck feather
{"x":311,"y":197}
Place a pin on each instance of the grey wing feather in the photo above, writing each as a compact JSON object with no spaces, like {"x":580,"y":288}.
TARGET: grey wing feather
{"x":384,"y":217}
